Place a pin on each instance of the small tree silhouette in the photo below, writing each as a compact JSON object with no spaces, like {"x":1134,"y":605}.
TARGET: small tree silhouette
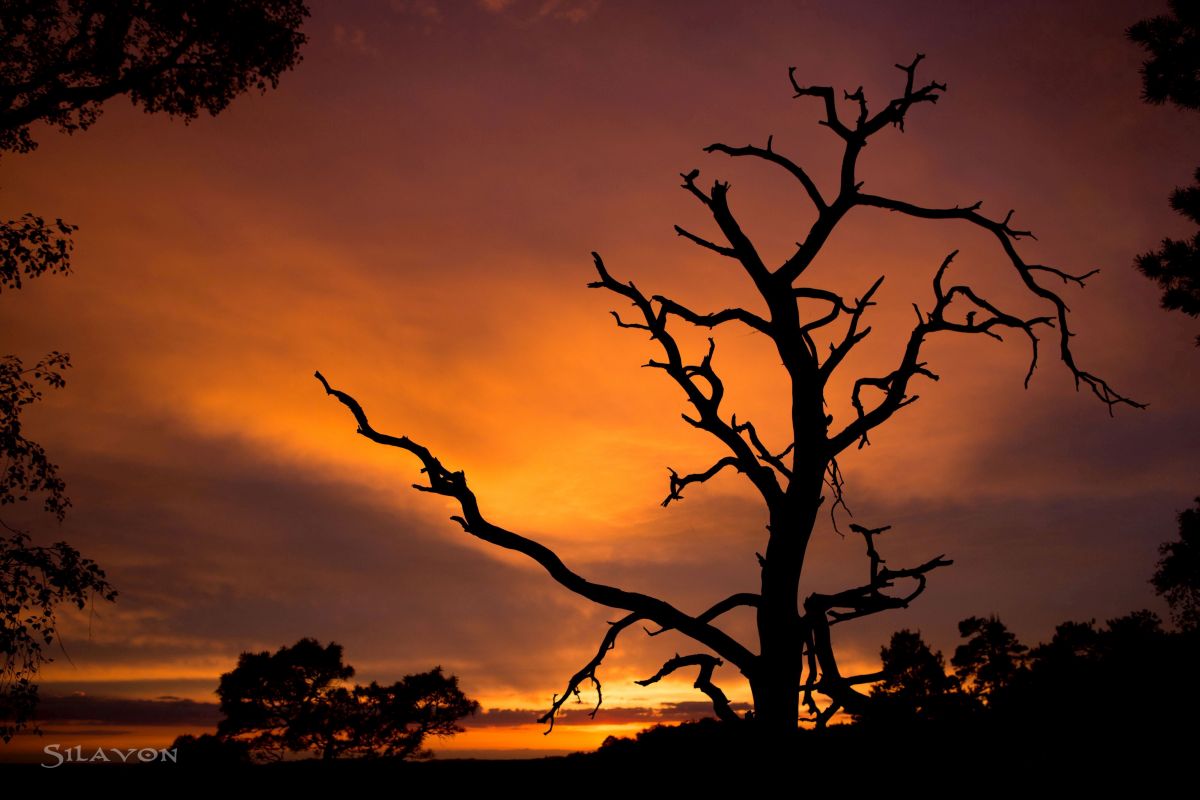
{"x":1178,"y":575}
{"x":914,"y":680}
{"x":990,"y":659}
{"x":276,"y":702}
{"x":811,"y":330}
{"x":394,"y":721}
{"x":295,"y":700}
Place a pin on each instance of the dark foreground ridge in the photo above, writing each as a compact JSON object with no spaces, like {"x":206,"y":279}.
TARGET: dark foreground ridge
{"x":938,"y":759}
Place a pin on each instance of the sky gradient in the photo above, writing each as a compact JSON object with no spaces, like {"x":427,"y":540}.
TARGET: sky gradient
{"x":412,"y":212}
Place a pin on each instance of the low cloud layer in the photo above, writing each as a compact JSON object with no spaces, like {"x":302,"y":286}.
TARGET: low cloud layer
{"x":119,"y":711}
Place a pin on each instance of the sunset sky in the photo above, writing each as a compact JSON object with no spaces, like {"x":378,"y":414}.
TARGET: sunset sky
{"x":412,"y":211}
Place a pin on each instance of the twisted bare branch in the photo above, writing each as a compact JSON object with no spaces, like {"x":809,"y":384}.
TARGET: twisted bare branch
{"x":837,"y":485}
{"x":1007,"y":235}
{"x":728,"y":252}
{"x":721,"y":607}
{"x":764,"y":453}
{"x":821,"y":611}
{"x":870,"y":598}
{"x":740,"y":247}
{"x":897,"y":109}
{"x":825,"y":93}
{"x":454,"y":485}
{"x":853,"y":335}
{"x":741,"y":315}
{"x":707,"y":664}
{"x":588,"y":672}
{"x":679,"y":482}
{"x":768,"y":154}
{"x":894,"y":384}
{"x":706,"y":401}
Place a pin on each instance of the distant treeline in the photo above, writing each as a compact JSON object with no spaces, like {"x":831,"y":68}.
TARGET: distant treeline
{"x":1130,"y":670}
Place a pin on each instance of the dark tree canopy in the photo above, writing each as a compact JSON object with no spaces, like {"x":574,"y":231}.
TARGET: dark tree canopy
{"x":30,"y":247}
{"x":1177,"y":577}
{"x":1117,"y":683}
{"x":34,"y":582}
{"x":296,"y":700}
{"x":1175,"y":266}
{"x":790,"y":663}
{"x":1130,"y":669}
{"x":61,"y":59}
{"x":991,"y":658}
{"x":210,"y":750}
{"x":27,"y":469}
{"x":1171,"y":73}
{"x":394,"y":721}
{"x":275,"y":701}
{"x":915,"y":682}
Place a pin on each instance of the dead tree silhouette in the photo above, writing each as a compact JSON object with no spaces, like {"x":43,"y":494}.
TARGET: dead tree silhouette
{"x":794,"y":661}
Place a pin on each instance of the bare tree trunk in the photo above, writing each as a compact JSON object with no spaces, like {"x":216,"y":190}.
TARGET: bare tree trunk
{"x":776,"y":683}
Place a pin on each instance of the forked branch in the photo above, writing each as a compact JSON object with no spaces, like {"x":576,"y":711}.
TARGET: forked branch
{"x":821,"y":611}
{"x":870,"y":598}
{"x":699,"y":382}
{"x":1007,"y":236}
{"x":894,"y":385}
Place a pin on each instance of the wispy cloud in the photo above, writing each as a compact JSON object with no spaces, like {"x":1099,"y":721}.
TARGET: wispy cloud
{"x":667,"y":713}
{"x":573,"y":11}
{"x":427,"y":10}
{"x":354,"y":39}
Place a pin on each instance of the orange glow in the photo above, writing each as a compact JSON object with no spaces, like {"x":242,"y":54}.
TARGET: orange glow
{"x":412,"y":213}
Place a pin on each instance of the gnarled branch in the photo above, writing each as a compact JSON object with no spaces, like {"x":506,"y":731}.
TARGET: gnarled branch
{"x":728,"y":252}
{"x":721,"y":607}
{"x":768,"y":154}
{"x":894,"y":385}
{"x":897,"y":109}
{"x":764,"y":453}
{"x":454,"y":485}
{"x":869,"y":599}
{"x":706,"y":403}
{"x":678,"y":482}
{"x":821,"y":611}
{"x":825,"y":93}
{"x":707,"y":664}
{"x":713,"y":320}
{"x":588,"y":672}
{"x":853,"y":335}
{"x":1007,"y":235}
{"x":740,"y":246}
